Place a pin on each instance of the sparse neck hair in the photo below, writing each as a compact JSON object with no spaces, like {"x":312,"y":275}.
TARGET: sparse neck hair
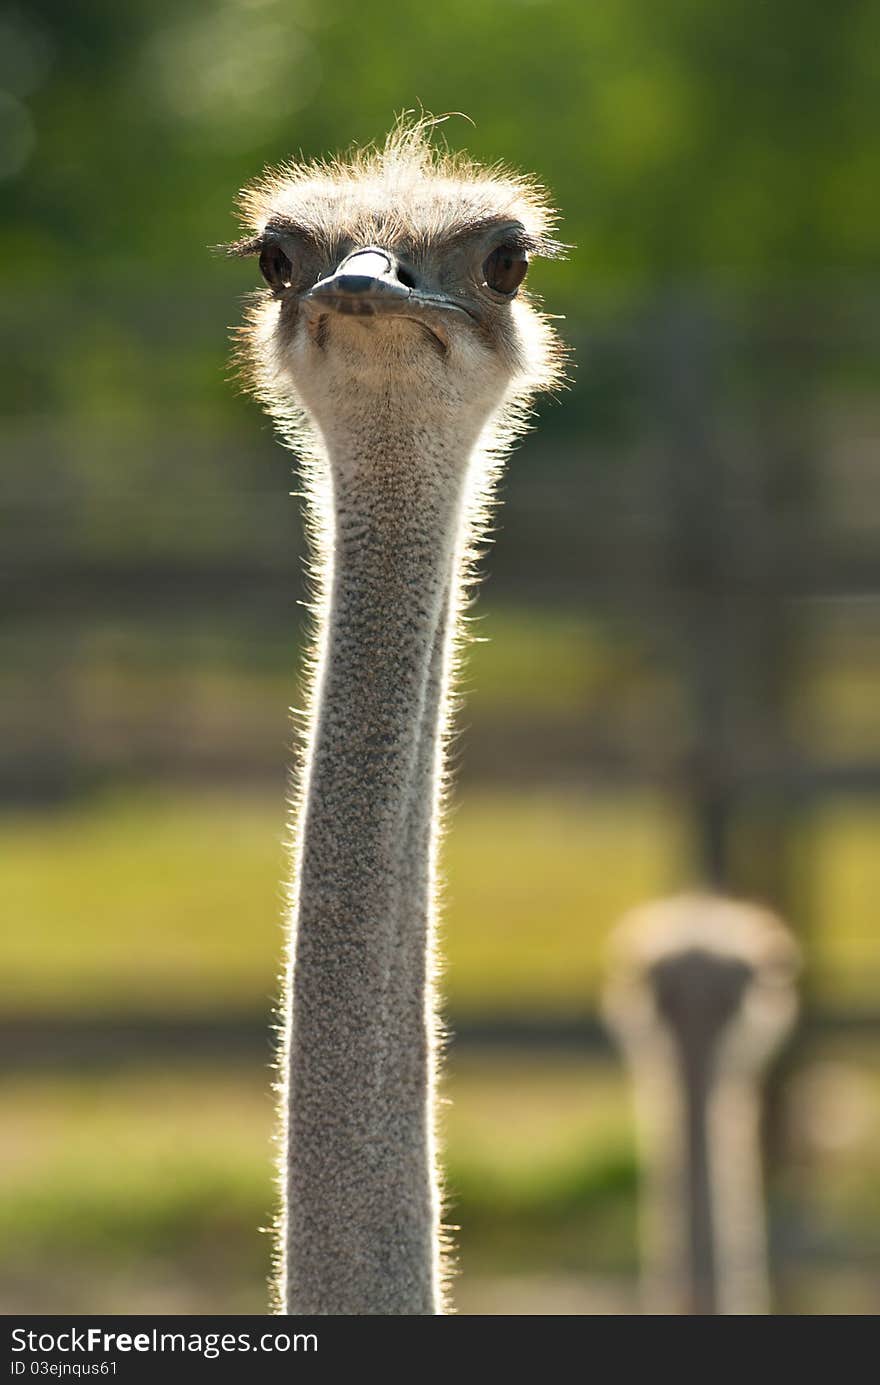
{"x":399,"y":360}
{"x":398,"y":510}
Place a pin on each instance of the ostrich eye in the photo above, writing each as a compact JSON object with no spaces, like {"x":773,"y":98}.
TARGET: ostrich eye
{"x":505,"y":269}
{"x":275,"y":267}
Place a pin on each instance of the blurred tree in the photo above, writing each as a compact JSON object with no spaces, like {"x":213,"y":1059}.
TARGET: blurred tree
{"x":728,"y":145}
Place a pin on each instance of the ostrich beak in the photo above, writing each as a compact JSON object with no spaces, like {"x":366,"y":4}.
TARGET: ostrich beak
{"x":367,"y":283}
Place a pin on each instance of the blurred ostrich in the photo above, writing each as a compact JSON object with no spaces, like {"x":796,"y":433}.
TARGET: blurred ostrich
{"x":396,"y":357}
{"x":701,"y":995}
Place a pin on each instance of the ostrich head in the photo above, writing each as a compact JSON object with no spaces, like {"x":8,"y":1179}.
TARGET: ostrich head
{"x":394,"y":287}
{"x":707,"y":967}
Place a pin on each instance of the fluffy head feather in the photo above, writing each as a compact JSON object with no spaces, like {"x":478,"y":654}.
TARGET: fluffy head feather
{"x":409,"y":193}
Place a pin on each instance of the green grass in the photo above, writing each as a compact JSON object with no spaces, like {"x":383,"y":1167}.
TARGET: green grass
{"x":172,"y":903}
{"x":536,"y":882}
{"x":541,"y":1164}
{"x":157,"y":1175}
{"x":112,"y":1159}
{"x":152,"y":903}
{"x":112,"y":1163}
{"x":145,"y":1190}
{"x":540,"y":662}
{"x":842,"y":857}
{"x":140,"y":1192}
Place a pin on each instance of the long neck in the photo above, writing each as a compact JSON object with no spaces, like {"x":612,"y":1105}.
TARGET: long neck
{"x":361,"y":1207}
{"x":702,"y":1268}
{"x":740,"y":1230}
{"x":727,"y":1258}
{"x":704,"y":1217}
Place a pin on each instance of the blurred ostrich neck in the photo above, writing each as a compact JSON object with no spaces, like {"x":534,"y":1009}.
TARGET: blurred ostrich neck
{"x":722,"y":1197}
{"x":700,"y":997}
{"x":697,"y":1067}
{"x":362,"y":1198}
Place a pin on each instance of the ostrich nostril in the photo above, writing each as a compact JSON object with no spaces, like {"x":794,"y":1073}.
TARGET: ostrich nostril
{"x":354,"y":283}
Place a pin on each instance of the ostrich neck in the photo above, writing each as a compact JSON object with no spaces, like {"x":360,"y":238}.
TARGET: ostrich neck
{"x":705,"y":1241}
{"x":361,"y":1196}
{"x":697,"y":1067}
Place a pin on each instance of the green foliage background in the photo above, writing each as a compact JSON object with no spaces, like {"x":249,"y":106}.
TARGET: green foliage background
{"x":729,"y":143}
{"x":702,"y":154}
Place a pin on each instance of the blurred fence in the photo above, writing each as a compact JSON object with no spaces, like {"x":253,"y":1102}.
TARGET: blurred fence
{"x":709,"y":492}
{"x":707,"y":498}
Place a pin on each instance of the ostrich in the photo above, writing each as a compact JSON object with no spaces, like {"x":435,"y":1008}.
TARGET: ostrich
{"x":398,"y":359}
{"x":701,"y":995}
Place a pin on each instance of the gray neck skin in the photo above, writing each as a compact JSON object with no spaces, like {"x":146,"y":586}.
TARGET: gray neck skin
{"x":701,"y":1232}
{"x":361,"y":1215}
{"x":698,"y":996}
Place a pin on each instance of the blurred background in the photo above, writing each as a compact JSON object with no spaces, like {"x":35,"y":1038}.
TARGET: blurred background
{"x":677,"y":677}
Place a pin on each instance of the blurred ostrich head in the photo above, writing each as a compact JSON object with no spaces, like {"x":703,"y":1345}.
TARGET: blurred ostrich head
{"x":706,"y":967}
